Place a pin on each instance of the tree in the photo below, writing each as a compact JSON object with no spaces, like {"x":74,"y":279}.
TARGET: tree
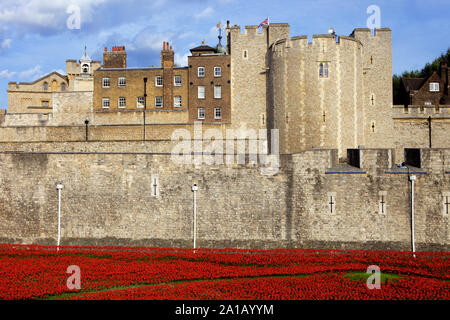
{"x":424,"y":73}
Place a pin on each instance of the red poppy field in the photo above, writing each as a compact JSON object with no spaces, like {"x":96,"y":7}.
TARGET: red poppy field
{"x":117,"y":273}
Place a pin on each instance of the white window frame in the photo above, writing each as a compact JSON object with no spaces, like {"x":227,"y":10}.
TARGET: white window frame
{"x":108,"y":81}
{"x":156,"y":81}
{"x":217,"y":92}
{"x":201,"y":96}
{"x":175,"y":102}
{"x":175,"y":83}
{"x":202,"y":73}
{"x":158,"y":105}
{"x":217,"y":72}
{"x":122,"y":82}
{"x":138,"y":104}
{"x":103,"y":103}
{"x":216,"y":117}
{"x":434,"y":87}
{"x":198,"y":113}
{"x":119,"y":102}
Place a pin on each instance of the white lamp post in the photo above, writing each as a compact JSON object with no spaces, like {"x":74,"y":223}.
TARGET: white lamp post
{"x":195,"y":189}
{"x":412,"y":178}
{"x":59,"y":188}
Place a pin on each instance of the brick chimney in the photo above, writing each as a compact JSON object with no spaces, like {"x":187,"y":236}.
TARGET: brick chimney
{"x":116,"y":58}
{"x":167,"y":63}
{"x":444,"y":76}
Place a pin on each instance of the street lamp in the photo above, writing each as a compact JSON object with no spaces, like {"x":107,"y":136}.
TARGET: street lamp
{"x":59,"y":188}
{"x":145,"y":104}
{"x":411,"y":178}
{"x":86,"y":122}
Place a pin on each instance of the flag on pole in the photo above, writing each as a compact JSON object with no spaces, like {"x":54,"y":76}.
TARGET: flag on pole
{"x":264,"y":23}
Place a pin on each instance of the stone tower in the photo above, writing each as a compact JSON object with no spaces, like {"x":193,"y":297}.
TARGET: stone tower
{"x":377,"y":82}
{"x":249,"y":72}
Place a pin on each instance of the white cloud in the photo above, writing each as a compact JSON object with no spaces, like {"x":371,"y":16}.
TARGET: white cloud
{"x":181,"y":60}
{"x":60,"y":71}
{"x":35,"y":15}
{"x":147,"y":39}
{"x":32,"y":74}
{"x":6,"y":74}
{"x":205,"y":13}
{"x":6,"y":44}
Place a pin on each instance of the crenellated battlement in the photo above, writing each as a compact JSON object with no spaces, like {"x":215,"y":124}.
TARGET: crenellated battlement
{"x":249,"y":31}
{"x":316,"y":42}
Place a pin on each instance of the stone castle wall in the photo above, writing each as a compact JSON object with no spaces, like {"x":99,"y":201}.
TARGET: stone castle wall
{"x":110,"y":199}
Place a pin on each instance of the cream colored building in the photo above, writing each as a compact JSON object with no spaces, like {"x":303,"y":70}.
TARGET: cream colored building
{"x":37,"y":96}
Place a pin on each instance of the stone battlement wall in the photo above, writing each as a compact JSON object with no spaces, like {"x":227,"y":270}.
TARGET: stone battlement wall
{"x":146,"y":199}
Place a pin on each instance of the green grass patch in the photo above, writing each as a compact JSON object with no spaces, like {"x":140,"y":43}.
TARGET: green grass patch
{"x":358,"y":276}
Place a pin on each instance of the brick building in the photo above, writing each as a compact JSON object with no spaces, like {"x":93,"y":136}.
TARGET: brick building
{"x":430,"y":91}
{"x":209,"y":85}
{"x":118,"y":88}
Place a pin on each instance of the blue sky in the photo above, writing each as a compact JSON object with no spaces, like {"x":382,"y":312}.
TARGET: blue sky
{"x":35,"y":39}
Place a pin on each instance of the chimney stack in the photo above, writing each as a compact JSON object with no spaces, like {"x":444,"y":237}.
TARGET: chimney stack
{"x":444,"y":76}
{"x":117,"y":58}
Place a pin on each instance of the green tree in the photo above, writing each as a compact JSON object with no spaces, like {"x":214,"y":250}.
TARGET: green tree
{"x":424,"y":73}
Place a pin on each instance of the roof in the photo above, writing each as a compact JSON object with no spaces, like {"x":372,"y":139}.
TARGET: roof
{"x":203,"y":48}
{"x":413,"y":84}
{"x":42,"y":78}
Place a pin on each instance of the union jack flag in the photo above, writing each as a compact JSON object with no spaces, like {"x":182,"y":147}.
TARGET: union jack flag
{"x":264,"y":23}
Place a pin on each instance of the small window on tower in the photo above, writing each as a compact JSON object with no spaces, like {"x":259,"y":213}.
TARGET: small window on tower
{"x":85,"y":68}
{"x":245,"y":54}
{"x":323,"y":70}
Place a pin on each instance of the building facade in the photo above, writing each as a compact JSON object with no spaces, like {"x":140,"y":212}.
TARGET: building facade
{"x":430,"y":91}
{"x":328,"y":91}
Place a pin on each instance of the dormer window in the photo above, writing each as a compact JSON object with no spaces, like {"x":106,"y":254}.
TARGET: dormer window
{"x":434,"y":86}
